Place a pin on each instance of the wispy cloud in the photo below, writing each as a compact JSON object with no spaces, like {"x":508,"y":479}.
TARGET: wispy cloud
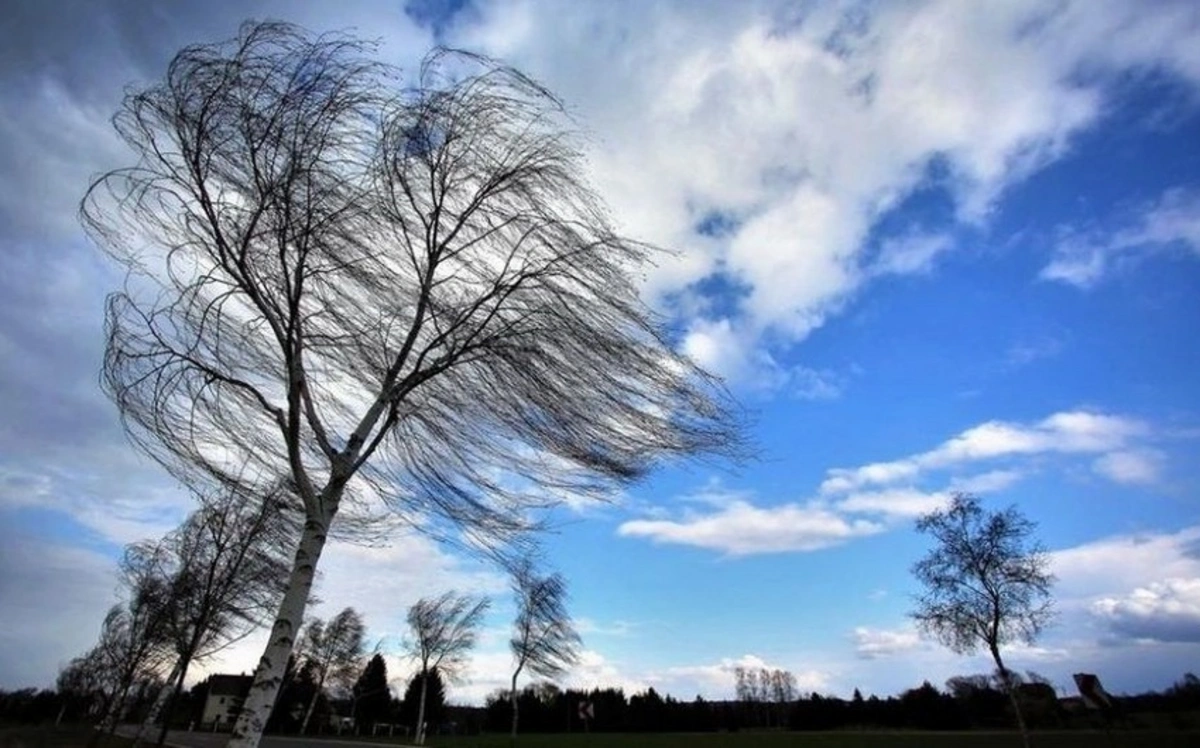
{"x":742,"y":528}
{"x":1084,"y":257}
{"x":1067,"y":432}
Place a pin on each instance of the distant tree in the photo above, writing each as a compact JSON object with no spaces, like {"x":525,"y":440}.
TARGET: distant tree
{"x":335,"y":652}
{"x":544,"y":640}
{"x":430,"y":684}
{"x":224,"y":567}
{"x":986,"y":583}
{"x":372,"y":695}
{"x":411,"y":291}
{"x":134,"y":639}
{"x":443,"y":631}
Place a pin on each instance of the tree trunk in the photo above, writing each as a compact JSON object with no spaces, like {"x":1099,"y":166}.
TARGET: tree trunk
{"x":1006,"y":677}
{"x":312,"y":703}
{"x":421,"y":707}
{"x":268,"y":676}
{"x":166,"y":723}
{"x":513,"y":698}
{"x":157,"y":708}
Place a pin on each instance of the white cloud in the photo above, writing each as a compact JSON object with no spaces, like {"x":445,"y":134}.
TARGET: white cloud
{"x":805,"y":129}
{"x":894,"y":502}
{"x":742,"y":529}
{"x":1134,"y":466}
{"x":989,"y":482}
{"x":1083,"y":258}
{"x":908,"y":255}
{"x":1069,"y":432}
{"x":1161,"y":611}
{"x":870,"y":644}
{"x":1115,"y":566}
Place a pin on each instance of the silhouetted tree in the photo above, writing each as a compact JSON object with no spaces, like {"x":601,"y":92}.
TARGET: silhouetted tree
{"x":985,"y":583}
{"x":544,"y":640}
{"x":429,"y":683}
{"x":443,"y":631}
{"x":354,"y":284}
{"x":372,"y":696}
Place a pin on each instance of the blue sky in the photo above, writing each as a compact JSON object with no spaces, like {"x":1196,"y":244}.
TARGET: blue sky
{"x":931,"y":246}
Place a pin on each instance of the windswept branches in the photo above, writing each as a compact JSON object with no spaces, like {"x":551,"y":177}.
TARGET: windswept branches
{"x":334,"y":651}
{"x":397,"y":298}
{"x":544,"y":640}
{"x":986,"y":582}
{"x":443,"y":633}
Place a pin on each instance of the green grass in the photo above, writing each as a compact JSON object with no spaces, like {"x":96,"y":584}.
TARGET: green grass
{"x":881,"y":739}
{"x":49,"y":736}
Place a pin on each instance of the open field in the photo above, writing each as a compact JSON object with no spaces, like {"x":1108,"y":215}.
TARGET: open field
{"x":881,"y":739}
{"x":48,"y":736}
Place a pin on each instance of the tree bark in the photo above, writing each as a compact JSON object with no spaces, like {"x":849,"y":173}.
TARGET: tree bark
{"x":1006,"y":677}
{"x":268,"y":676}
{"x":421,"y":707}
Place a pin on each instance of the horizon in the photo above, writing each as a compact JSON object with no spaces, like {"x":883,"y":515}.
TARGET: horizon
{"x":929,"y":246}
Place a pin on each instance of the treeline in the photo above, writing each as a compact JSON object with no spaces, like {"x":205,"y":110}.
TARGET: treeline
{"x":966,"y":702}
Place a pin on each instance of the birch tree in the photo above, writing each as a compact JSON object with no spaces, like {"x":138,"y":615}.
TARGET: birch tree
{"x":986,"y":583}
{"x":443,"y":631}
{"x":544,"y":639}
{"x":400,"y":297}
{"x":335,"y":651}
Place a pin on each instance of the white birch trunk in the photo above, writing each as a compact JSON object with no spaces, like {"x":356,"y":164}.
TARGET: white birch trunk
{"x":312,"y":703}
{"x":159,"y":702}
{"x":421,"y":709}
{"x":268,"y":676}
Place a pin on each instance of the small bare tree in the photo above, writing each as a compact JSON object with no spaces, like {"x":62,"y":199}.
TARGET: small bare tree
{"x":403,"y":297}
{"x":544,"y":639}
{"x":225,"y":566}
{"x":335,"y":651}
{"x":134,"y":641}
{"x":443,"y":631}
{"x":985,"y":583}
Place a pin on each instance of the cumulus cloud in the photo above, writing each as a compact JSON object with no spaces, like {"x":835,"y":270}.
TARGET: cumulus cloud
{"x":742,"y":528}
{"x":1068,"y":432}
{"x":706,"y":114}
{"x":1084,"y":257}
{"x":1166,"y":611}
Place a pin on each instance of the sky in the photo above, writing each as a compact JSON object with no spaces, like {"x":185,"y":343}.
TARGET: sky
{"x":930,"y":246}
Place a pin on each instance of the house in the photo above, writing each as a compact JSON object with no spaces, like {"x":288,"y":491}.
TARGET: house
{"x":224,"y":699}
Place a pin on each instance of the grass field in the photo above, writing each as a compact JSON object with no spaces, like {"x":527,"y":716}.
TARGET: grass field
{"x":1073,"y":739}
{"x":53,"y":737}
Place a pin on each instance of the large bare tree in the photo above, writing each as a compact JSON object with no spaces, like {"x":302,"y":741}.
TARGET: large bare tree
{"x":544,"y":640}
{"x":443,"y":631}
{"x":986,"y":583}
{"x":335,"y":651}
{"x":400,"y":296}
